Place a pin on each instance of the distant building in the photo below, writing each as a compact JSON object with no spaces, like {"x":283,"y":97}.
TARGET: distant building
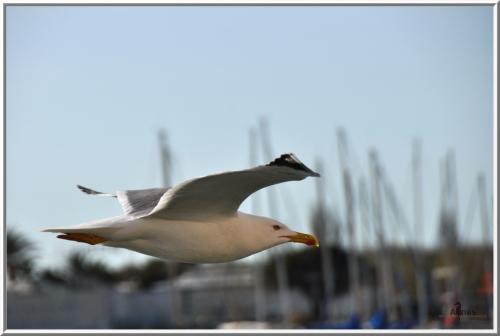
{"x":210,"y":294}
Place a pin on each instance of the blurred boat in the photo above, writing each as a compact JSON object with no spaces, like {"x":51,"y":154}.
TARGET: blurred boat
{"x":353,"y":323}
{"x":244,"y":325}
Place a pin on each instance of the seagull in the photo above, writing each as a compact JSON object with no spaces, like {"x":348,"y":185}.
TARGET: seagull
{"x":196,"y":221}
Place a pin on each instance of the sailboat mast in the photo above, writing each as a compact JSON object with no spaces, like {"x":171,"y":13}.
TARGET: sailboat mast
{"x":351,"y":225}
{"x":486,"y":233}
{"x":385,"y":269}
{"x":172,"y":267}
{"x":282,"y":275}
{"x":419,"y":231}
{"x":320,"y":227}
{"x":259,"y":293}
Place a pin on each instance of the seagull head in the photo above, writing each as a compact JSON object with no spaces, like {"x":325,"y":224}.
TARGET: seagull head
{"x":285,"y":235}
{"x":270,"y":232}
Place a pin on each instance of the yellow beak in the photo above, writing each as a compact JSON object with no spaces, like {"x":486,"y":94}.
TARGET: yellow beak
{"x":304,"y":238}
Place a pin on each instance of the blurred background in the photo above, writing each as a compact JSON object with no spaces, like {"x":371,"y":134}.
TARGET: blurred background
{"x":392,"y":105}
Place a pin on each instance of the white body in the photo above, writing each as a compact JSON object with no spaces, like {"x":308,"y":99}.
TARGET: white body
{"x":221,"y":240}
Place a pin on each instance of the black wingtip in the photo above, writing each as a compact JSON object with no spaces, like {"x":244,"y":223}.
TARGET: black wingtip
{"x":291,"y":161}
{"x":87,"y":190}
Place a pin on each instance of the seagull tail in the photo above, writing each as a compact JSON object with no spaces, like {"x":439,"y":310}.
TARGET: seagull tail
{"x":90,"y":236}
{"x":87,"y":232}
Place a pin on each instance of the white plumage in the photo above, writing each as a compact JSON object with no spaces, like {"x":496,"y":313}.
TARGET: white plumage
{"x":198,"y":220}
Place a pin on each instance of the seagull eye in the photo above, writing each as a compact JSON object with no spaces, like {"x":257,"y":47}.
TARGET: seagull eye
{"x":276,"y":227}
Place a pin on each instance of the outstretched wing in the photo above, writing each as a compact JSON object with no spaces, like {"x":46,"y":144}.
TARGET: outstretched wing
{"x":221,"y":194}
{"x":133,"y":202}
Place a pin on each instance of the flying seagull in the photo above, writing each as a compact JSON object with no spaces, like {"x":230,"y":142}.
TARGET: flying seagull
{"x":198,"y":220}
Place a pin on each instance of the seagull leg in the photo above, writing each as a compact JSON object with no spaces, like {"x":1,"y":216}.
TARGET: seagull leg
{"x":83,"y":238}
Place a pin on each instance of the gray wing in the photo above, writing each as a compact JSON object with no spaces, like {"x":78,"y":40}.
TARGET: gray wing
{"x":221,"y":194}
{"x":140,"y":202}
{"x":133,"y":202}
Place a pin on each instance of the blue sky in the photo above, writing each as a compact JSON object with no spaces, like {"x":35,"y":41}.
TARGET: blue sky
{"x":89,"y":87}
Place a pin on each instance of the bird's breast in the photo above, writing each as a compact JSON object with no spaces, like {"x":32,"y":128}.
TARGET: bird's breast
{"x":187,"y":241}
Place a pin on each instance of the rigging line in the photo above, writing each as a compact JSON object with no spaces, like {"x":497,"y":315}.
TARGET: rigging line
{"x":365,"y":212}
{"x":469,"y":216}
{"x":397,"y":210}
{"x":352,"y":159}
{"x":399,"y":217}
{"x":354,"y":163}
{"x":357,"y":163}
{"x":289,"y":203}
